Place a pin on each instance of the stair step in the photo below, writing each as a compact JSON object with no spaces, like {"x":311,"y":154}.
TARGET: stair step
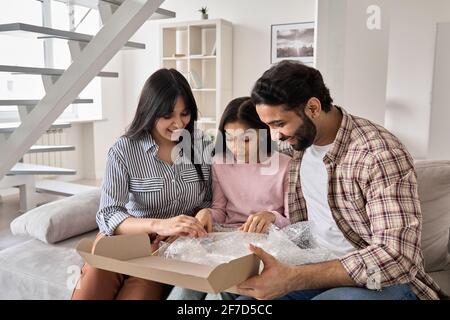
{"x":61,"y":188}
{"x":36,"y":169}
{"x":35,"y":102}
{"x":159,"y":14}
{"x":25,"y":29}
{"x":44,"y":148}
{"x":11,"y":126}
{"x":48,"y":71}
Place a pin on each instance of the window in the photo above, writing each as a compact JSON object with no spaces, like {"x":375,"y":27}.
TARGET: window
{"x":16,"y":51}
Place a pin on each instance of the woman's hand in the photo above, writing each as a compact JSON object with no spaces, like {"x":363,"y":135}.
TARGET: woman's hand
{"x":181,"y":225}
{"x":205,"y":218}
{"x":156,"y":242}
{"x":258,"y":222}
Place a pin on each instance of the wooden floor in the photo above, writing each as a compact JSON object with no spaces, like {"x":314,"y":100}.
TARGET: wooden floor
{"x":9,"y":209}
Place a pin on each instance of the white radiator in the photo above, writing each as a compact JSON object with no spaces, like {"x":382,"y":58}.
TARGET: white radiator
{"x":53,"y":159}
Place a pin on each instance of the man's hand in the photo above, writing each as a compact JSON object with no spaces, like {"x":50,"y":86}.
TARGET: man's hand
{"x":205,"y":218}
{"x":273,"y":282}
{"x":258,"y":222}
{"x":277,"y":279}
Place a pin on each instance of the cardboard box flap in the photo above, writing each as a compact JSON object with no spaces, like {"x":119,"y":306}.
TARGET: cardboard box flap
{"x":226,"y":275}
{"x":85,"y":245}
{"x":123,"y":247}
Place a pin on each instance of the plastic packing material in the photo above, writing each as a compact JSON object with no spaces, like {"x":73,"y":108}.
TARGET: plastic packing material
{"x":293,"y":245}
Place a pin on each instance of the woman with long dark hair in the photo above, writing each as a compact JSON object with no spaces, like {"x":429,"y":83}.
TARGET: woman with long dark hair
{"x":151,"y":184}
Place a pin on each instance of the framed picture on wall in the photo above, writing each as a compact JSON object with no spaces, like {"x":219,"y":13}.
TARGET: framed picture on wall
{"x":293,"y":41}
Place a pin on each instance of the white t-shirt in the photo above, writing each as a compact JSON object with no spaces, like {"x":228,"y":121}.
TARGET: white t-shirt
{"x":314,"y":183}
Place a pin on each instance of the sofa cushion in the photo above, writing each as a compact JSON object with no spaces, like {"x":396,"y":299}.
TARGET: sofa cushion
{"x":434,"y":193}
{"x":442,"y":278}
{"x":61,"y":219}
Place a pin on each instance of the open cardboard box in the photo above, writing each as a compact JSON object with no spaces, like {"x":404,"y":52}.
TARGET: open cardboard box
{"x":131,"y":255}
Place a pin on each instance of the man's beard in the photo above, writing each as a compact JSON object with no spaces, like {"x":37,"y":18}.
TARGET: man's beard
{"x":304,"y":135}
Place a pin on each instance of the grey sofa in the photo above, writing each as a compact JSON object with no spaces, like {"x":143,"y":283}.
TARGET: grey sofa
{"x":33,"y":269}
{"x":41,"y":262}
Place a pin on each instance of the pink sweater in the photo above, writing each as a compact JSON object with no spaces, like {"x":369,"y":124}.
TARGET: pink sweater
{"x":241,"y":189}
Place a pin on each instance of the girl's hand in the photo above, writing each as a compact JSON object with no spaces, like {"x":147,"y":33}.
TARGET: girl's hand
{"x":181,"y":225}
{"x":205,"y":218}
{"x":258,"y":222}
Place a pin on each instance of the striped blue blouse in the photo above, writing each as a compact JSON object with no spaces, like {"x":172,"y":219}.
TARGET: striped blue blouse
{"x":138,"y":184}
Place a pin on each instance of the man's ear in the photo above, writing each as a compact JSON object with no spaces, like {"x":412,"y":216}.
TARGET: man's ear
{"x":313,"y":108}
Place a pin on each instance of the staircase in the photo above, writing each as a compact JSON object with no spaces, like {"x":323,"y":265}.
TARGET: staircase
{"x":89,"y":53}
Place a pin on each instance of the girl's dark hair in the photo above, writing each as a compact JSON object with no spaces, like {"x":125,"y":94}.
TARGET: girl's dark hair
{"x":243,"y":110}
{"x":158,"y":98}
{"x":291,"y":83}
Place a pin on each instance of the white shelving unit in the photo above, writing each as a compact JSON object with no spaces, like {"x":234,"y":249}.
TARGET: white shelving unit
{"x":202,"y":51}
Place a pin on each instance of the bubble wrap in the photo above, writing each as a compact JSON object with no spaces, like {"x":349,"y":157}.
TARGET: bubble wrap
{"x":292,"y":245}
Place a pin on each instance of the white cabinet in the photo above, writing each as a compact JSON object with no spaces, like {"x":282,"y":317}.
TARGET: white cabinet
{"x":202,"y":51}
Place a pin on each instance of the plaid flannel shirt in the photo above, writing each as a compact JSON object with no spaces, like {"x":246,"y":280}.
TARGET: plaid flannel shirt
{"x":373,"y":197}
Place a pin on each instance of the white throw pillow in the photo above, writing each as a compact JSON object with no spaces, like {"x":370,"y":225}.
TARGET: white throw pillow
{"x":61,"y":219}
{"x":434,"y":193}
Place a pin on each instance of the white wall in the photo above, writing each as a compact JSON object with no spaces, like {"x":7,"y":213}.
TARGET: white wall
{"x":439,"y":144}
{"x":105,"y":133}
{"x":387,"y":75}
{"x":251,"y":39}
{"x":384,"y":75}
{"x":92,"y":139}
{"x":352,"y":57}
{"x":410,"y":74}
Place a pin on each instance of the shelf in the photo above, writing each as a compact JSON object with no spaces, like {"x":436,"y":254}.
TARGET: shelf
{"x":204,"y":90}
{"x":48,"y":71}
{"x":203,"y":73}
{"x":23,"y":29}
{"x":174,"y":58}
{"x":159,"y":14}
{"x":35,"y":102}
{"x":198,"y":57}
{"x":201,"y":43}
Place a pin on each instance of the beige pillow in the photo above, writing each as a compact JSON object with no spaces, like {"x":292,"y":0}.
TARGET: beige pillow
{"x":61,"y":219}
{"x":434,"y":193}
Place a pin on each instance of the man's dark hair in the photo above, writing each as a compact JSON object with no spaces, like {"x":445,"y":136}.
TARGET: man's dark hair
{"x":292,"y":84}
